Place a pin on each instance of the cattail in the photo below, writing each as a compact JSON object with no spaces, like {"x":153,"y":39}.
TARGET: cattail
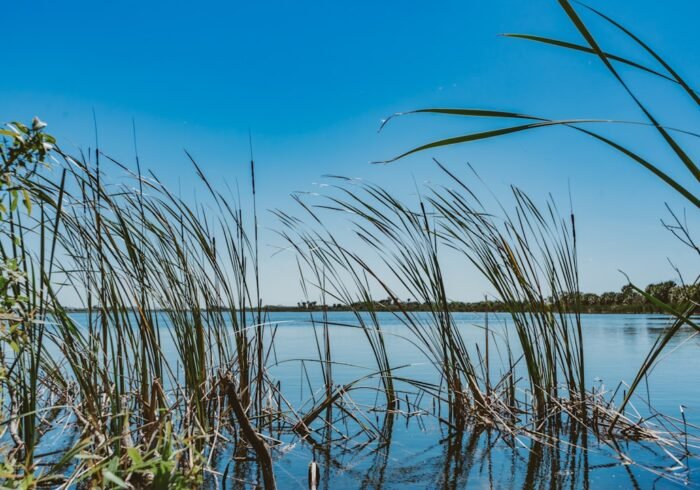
{"x":314,"y":474}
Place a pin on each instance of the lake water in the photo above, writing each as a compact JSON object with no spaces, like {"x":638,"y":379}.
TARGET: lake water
{"x":421,"y":453}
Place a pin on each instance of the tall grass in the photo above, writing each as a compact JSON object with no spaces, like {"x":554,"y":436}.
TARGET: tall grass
{"x":529,"y":258}
{"x":153,"y":270}
{"x":669,"y":135}
{"x":137,"y":258}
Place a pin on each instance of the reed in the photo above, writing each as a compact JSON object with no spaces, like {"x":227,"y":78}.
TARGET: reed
{"x":153,"y":270}
{"x":149,"y":266}
{"x":138,"y":260}
{"x":529,"y":258}
{"x":675,"y":150}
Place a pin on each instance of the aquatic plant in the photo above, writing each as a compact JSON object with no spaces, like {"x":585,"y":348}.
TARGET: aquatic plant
{"x":668,"y":134}
{"x":153,"y":270}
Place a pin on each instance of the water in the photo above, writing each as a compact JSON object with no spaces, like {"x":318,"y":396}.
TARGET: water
{"x":421,"y":453}
{"x":615,"y":347}
{"x":419,"y":457}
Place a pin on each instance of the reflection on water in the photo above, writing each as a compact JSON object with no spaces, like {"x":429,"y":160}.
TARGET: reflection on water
{"x":480,"y":459}
{"x":373,"y":451}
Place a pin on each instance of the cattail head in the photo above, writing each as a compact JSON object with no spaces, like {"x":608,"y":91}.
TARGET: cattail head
{"x":314,"y":475}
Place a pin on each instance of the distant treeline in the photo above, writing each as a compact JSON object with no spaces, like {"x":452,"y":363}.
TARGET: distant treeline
{"x":627,"y":300}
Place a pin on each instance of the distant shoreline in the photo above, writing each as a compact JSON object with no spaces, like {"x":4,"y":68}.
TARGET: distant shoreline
{"x":598,"y":310}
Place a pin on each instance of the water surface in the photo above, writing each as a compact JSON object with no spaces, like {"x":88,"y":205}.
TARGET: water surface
{"x":422,"y":454}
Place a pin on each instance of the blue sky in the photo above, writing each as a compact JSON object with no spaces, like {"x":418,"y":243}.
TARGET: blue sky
{"x":312,"y":80}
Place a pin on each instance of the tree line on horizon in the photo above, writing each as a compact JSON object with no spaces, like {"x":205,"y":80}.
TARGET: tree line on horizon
{"x":627,"y":300}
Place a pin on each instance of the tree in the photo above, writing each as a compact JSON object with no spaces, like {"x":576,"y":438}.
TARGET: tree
{"x":661,"y":290}
{"x":682,"y":294}
{"x":590,"y":299}
{"x":609,"y":298}
{"x":629,"y":296}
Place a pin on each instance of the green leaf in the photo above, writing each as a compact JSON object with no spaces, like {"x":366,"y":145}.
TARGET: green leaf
{"x":27,"y":201}
{"x":583,"y":30}
{"x":578,"y":47}
{"x":14,"y":200}
{"x":21,"y":127}
{"x":693,"y":94}
{"x":108,"y":475}
{"x":135,"y":456}
{"x":473,"y":137}
{"x":7,"y":132}
{"x":541,"y":122}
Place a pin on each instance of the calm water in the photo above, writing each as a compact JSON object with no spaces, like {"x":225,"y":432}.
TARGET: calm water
{"x":421,"y":455}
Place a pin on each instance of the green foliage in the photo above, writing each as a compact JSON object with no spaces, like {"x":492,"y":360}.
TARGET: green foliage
{"x":661,"y":290}
{"x":630,"y":300}
{"x":23,"y":150}
{"x":627,"y":300}
{"x":165,"y":466}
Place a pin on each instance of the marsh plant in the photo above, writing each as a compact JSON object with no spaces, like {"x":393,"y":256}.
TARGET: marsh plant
{"x":677,"y":225}
{"x":165,"y":378}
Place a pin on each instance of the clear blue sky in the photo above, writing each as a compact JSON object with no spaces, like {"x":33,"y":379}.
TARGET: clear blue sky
{"x":312,"y":80}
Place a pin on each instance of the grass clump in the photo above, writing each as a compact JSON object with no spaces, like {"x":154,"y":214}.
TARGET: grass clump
{"x":154,"y":272}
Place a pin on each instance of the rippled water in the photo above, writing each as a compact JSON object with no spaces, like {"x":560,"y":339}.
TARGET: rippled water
{"x":422,"y":455}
